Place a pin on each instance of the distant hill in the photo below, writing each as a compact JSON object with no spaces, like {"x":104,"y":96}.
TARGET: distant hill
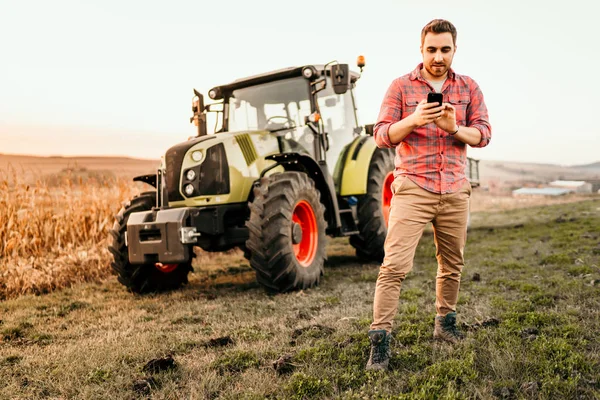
{"x":498,"y":173}
{"x":31,"y":167}
{"x":514,"y":173}
{"x":593,"y":166}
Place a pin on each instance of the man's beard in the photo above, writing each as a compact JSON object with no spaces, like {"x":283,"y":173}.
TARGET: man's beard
{"x":434,"y":71}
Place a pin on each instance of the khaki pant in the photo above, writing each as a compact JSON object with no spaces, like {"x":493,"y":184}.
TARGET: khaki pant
{"x":411,"y":209}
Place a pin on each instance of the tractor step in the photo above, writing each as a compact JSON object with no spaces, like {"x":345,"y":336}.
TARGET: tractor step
{"x":349,"y":227}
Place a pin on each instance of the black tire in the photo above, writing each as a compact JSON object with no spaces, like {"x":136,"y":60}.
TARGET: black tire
{"x":371,"y":221}
{"x":270,"y":243}
{"x":141,"y":278}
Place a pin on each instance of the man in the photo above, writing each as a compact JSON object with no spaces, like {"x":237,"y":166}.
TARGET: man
{"x":430,"y":183}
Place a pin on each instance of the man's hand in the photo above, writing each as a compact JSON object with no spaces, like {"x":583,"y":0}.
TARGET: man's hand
{"x":426,"y":113}
{"x":447,"y":120}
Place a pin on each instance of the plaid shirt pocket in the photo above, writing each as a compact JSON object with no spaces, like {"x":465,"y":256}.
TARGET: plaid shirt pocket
{"x":460,"y":103}
{"x":409,"y":106}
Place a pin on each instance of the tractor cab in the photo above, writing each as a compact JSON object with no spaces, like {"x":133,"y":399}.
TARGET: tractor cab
{"x":304,"y":107}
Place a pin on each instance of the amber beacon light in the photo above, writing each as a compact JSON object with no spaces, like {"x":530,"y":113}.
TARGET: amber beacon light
{"x":360,"y":62}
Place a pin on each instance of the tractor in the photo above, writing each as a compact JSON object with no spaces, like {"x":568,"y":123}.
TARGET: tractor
{"x":287,"y":166}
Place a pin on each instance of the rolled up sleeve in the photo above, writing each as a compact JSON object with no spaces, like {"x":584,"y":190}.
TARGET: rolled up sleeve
{"x":477,"y":115}
{"x":390,"y":112}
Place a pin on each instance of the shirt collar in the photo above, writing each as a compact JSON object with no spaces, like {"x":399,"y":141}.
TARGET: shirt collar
{"x":416,"y":74}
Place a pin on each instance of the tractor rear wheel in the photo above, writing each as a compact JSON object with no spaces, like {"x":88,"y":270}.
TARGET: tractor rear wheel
{"x":287,"y":240}
{"x":374,"y":207}
{"x":142,"y":278}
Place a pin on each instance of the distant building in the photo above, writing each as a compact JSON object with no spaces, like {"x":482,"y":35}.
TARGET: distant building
{"x":547,"y":191}
{"x":576,"y":186}
{"x":595,"y":185}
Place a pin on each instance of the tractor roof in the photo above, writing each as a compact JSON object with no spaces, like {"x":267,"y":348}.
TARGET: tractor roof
{"x":273,"y":76}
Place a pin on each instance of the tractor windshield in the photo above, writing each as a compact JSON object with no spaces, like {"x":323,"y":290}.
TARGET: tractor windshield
{"x":261,"y":106}
{"x":279,"y":106}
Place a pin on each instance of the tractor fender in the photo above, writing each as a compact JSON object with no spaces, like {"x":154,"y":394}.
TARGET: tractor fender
{"x":323,"y":182}
{"x":355,"y":166}
{"x":149,"y":179}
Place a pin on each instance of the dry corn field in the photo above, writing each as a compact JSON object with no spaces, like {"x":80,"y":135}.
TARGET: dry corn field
{"x":54,"y":231}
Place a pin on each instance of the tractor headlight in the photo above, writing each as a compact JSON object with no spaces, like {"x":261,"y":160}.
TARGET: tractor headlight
{"x":197,"y":156}
{"x":189,"y":189}
{"x":190,"y":175}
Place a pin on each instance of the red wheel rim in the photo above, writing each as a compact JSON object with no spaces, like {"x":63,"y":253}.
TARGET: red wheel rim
{"x":386,"y":196}
{"x":306,"y":250}
{"x":166,"y":268}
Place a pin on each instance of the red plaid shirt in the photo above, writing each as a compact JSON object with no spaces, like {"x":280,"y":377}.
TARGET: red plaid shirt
{"x":429,"y":156}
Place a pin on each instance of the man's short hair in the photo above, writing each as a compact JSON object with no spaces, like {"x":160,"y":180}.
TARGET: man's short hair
{"x":439,"y":26}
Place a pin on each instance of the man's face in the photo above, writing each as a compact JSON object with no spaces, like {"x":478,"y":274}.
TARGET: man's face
{"x":438,"y":51}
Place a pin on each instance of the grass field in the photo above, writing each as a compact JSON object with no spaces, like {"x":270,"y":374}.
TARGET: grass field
{"x":530,"y":304}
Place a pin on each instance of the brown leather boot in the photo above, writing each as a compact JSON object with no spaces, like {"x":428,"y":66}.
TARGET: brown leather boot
{"x":380,"y":350}
{"x":446,"y":330}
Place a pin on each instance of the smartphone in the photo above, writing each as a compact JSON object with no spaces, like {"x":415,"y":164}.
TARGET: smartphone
{"x":435,"y":98}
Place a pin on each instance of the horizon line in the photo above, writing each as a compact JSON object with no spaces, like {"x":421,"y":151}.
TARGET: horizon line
{"x":156,"y":159}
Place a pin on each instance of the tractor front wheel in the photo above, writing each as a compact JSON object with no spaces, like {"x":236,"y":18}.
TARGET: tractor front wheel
{"x":287,"y":240}
{"x":142,"y":278}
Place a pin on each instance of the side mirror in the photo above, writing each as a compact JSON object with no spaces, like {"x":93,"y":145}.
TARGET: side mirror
{"x":340,"y":78}
{"x":198,"y":117}
{"x":197,"y":102}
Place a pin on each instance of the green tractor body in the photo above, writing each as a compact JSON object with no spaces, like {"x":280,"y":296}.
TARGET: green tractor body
{"x":289,"y":166}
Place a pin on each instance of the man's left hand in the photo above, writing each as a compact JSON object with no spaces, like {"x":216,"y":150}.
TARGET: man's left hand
{"x":447,"y":121}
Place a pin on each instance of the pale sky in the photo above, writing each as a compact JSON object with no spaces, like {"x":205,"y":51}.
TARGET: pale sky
{"x":113,"y":77}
